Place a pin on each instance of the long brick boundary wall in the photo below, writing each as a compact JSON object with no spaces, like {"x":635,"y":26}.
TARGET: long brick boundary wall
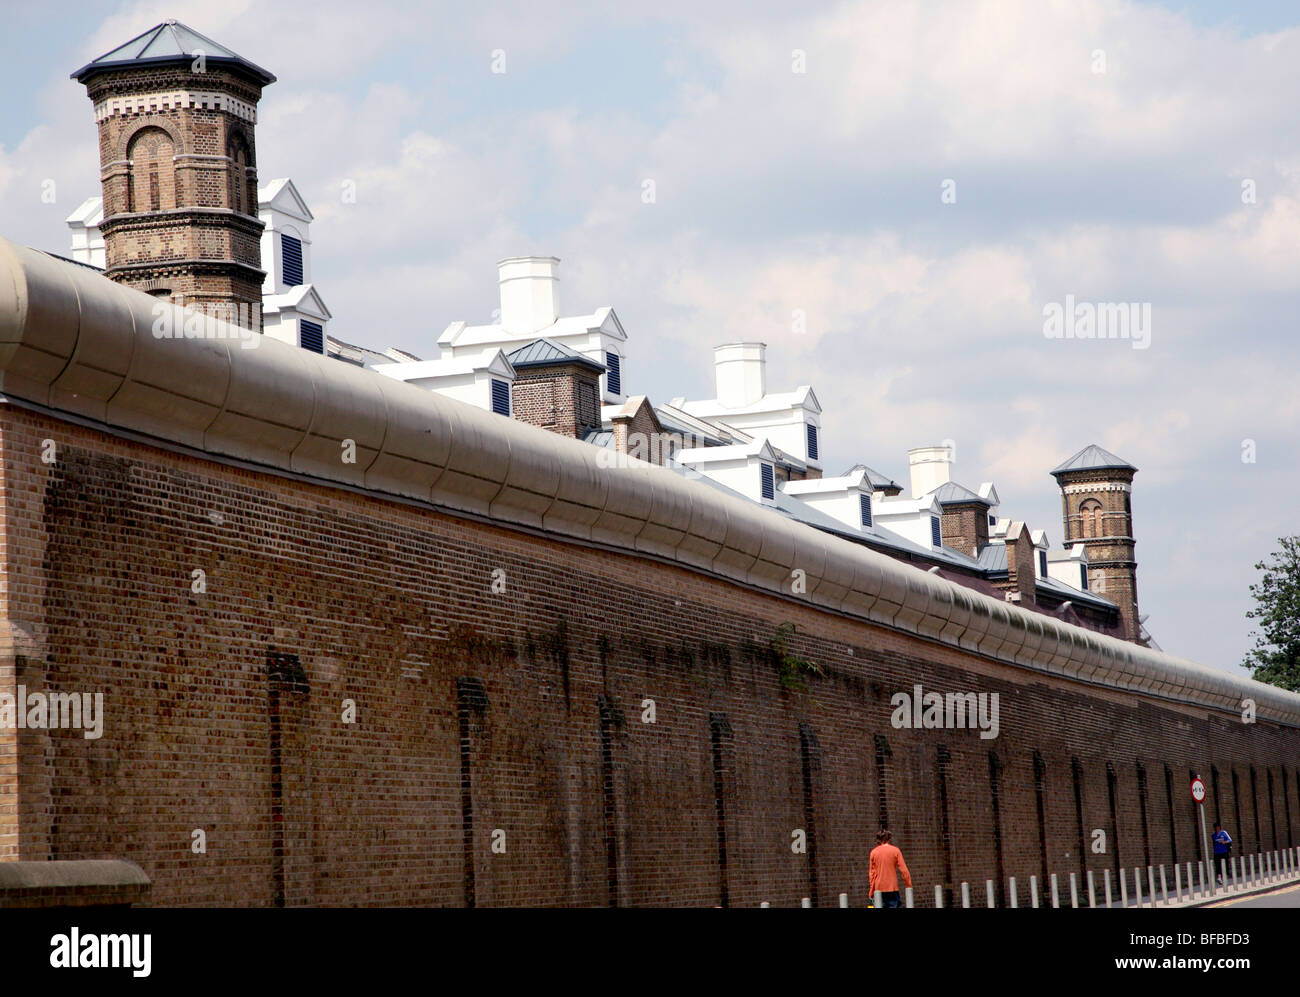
{"x":503,"y":673}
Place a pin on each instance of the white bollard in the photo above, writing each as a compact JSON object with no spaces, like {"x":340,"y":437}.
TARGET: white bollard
{"x":807,"y":902}
{"x":1236,"y":873}
{"x":1106,"y":877}
{"x":1137,"y":887}
{"x":1178,"y":882}
{"x":1012,"y":892}
{"x":879,"y":899}
{"x":988,"y":890}
{"x":1092,"y":890}
{"x":1074,"y":891}
{"x":1200,"y":869}
{"x":765,"y":904}
{"x":965,"y":894}
{"x":907,"y":898}
{"x":844,"y":899}
{"x":1164,"y":886}
{"x":938,"y":897}
{"x":1056,"y":892}
{"x":1123,"y":888}
{"x":1151,"y":882}
{"x":1033,"y":891}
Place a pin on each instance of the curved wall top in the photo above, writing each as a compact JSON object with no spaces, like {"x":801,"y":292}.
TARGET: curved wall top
{"x":72,"y":340}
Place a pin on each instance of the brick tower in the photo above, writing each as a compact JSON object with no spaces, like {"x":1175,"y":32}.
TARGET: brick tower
{"x":178,"y":165}
{"x":1096,"y":512}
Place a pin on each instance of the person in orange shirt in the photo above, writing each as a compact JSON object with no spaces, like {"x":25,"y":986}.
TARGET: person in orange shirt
{"x":885,"y":867}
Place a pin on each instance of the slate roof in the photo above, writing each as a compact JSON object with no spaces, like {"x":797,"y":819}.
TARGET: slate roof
{"x":546,"y":352}
{"x":1093,"y":457}
{"x":169,"y":42}
{"x":951,"y":493}
{"x":877,"y":479}
{"x":993,"y":559}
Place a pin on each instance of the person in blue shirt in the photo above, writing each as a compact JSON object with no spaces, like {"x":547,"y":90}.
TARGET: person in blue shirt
{"x":1222,"y":849}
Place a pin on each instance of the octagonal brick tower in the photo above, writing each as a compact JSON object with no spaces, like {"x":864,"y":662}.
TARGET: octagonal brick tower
{"x":1097,"y":512}
{"x":178,"y":165}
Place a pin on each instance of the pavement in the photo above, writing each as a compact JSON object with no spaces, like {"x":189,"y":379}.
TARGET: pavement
{"x":1287,"y":896}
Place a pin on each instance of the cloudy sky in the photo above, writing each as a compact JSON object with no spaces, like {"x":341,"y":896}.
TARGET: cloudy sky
{"x":799,"y":156}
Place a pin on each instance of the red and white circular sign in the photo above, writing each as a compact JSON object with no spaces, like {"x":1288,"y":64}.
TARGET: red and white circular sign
{"x":1198,"y":790}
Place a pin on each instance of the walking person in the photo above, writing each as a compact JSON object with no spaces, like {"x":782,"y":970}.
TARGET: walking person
{"x":1222,"y":849}
{"x":885,"y":868}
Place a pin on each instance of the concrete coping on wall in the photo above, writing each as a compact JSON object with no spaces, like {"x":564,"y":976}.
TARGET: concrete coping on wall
{"x":88,"y":882}
{"x":75,"y":342}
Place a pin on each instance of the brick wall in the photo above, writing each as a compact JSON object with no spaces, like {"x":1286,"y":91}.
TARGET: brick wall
{"x":966,"y":527}
{"x":561,"y":398}
{"x":500,"y":682}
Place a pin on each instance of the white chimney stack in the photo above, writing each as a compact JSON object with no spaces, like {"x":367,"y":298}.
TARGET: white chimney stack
{"x":741,"y":373}
{"x":530,"y":298}
{"x":930,"y":467}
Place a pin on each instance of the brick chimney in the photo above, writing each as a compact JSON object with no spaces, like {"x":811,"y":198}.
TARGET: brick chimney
{"x":556,"y":388}
{"x":965,"y":526}
{"x":1022,"y":578}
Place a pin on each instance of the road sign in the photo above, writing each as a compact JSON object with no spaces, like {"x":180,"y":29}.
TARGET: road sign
{"x":1198,"y":790}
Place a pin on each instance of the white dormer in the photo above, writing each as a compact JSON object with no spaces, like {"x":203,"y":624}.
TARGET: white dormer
{"x":484,"y":380}
{"x":286,"y":238}
{"x":990,"y":495}
{"x":1069,"y":566}
{"x":1039,"y":540}
{"x":529,"y":309}
{"x":790,"y":419}
{"x":918,"y":519}
{"x":297,"y":317}
{"x":846,"y":498}
{"x":87,"y":239}
{"x":746,"y":468}
{"x":292,"y":308}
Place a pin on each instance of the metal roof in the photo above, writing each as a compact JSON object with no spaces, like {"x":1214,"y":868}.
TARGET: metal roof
{"x":546,"y":352}
{"x":993,"y":559}
{"x":1093,"y":457}
{"x":877,"y":479}
{"x":169,"y":42}
{"x":951,"y":493}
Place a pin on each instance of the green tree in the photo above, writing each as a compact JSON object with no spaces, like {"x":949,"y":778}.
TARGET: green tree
{"x":1276,"y":656}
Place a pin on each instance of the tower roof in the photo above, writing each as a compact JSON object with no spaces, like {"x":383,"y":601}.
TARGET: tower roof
{"x":546,"y":352}
{"x":169,"y":42}
{"x":1093,"y":458}
{"x":951,"y":493}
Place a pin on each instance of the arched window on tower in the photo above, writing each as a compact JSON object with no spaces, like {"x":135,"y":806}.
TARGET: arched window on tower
{"x":239,"y":193}
{"x":1090,"y":519}
{"x":151,"y":184}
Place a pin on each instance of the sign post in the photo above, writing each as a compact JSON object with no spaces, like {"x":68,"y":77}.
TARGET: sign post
{"x":1198,"y":794}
